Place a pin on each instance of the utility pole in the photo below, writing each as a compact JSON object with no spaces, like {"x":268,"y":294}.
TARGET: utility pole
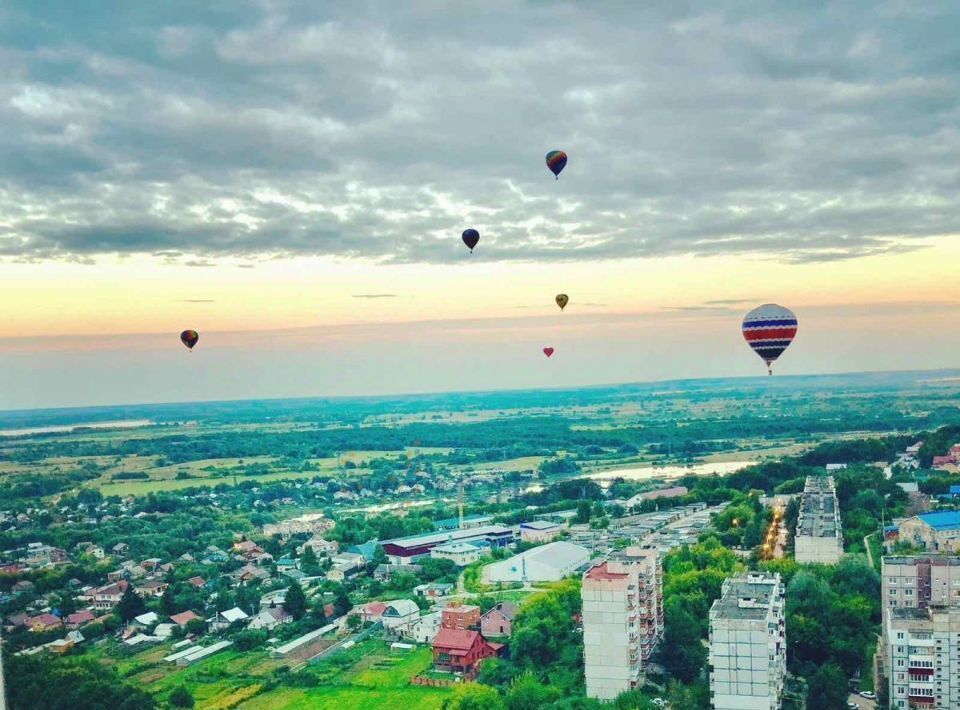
{"x":460,"y":501}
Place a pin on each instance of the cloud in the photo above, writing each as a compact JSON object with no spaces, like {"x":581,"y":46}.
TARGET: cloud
{"x":375,"y":295}
{"x":197,"y":300}
{"x":256,"y":129}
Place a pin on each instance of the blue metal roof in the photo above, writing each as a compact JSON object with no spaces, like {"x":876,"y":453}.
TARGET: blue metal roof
{"x":955,"y":490}
{"x":941,"y":521}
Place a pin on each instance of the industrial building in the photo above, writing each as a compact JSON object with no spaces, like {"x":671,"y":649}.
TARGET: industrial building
{"x":748,"y":649}
{"x":819,"y":537}
{"x":920,"y":645}
{"x":546,"y":563}
{"x":404,"y":550}
{"x":622,"y":620}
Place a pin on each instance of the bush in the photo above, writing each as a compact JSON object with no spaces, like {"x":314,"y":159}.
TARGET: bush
{"x":180,"y":697}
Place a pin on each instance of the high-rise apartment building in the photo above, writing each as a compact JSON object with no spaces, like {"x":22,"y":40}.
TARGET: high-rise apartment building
{"x":921,"y":631}
{"x":923,"y":657}
{"x":748,"y":649}
{"x":819,"y":536}
{"x":622,"y":620}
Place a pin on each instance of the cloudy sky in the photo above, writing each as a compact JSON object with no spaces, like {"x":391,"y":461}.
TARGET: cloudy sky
{"x":291,"y":179}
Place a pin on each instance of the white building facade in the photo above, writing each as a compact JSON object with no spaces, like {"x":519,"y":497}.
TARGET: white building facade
{"x":748,"y":649}
{"x":923,"y":656}
{"x":622,"y":621}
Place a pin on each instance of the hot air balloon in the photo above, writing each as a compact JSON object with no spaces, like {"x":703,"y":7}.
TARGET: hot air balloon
{"x":556,"y":161}
{"x":189,"y":338}
{"x":769,"y":329}
{"x":562,"y":300}
{"x":548,"y":351}
{"x":470,"y":238}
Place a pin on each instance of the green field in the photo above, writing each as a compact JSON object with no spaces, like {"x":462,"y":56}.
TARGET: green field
{"x":381,"y":679}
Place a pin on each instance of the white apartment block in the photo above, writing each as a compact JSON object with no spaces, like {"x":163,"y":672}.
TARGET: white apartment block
{"x":622,"y":620}
{"x":923,"y":653}
{"x":819,"y":536}
{"x":748,"y":649}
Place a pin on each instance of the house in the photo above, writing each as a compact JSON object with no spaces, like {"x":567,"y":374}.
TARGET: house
{"x":934,"y":532}
{"x":285,"y":564}
{"x":164,"y":631}
{"x":60,"y":646}
{"x":433,"y":589}
{"x":345,"y":565}
{"x":461,"y":651}
{"x":22,"y":587}
{"x":499,"y":620}
{"x":151,"y":563}
{"x":145,"y":621}
{"x":372,"y":611}
{"x":366,"y":549}
{"x":270,"y":617}
{"x":44,"y":622}
{"x":105,"y":598}
{"x":152,"y":588}
{"x":275,"y":598}
{"x":78,"y":619}
{"x":224,"y":619}
{"x":399,"y":615}
{"x":247,"y":549}
{"x":15,"y":621}
{"x":424,"y":629}
{"x":183,"y":618}
{"x":321,"y":546}
{"x":250,"y":573}
{"x":121,"y":548}
{"x":198,"y":582}
{"x":460,"y":616}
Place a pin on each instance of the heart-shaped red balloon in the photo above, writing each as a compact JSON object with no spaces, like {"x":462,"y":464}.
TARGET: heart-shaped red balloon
{"x":548,"y":351}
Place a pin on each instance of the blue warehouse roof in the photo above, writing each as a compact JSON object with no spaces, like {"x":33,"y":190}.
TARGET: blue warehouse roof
{"x":941,"y":521}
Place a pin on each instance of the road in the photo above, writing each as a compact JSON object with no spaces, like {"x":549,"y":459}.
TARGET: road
{"x":862,"y":702}
{"x":866,"y":545}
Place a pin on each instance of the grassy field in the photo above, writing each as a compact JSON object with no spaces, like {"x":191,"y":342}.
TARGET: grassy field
{"x":381,"y":679}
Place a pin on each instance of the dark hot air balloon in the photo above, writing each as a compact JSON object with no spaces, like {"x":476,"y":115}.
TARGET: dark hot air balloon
{"x":548,"y":351}
{"x":769,"y":329}
{"x":562,"y":300}
{"x":189,"y":338}
{"x":556,"y":161}
{"x":470,"y":238}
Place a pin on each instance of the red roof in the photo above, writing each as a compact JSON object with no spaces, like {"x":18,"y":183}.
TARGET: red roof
{"x":456,"y":641}
{"x":44,"y":619}
{"x":374,"y":608}
{"x":183,"y":618}
{"x":197,"y":581}
{"x":80,"y":617}
{"x":602,"y":573}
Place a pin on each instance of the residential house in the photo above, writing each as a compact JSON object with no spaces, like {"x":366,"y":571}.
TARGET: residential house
{"x":247,"y":549}
{"x":121,"y":548}
{"x":198,"y":582}
{"x":499,"y":620}
{"x":78,"y":619}
{"x":224,"y":619}
{"x":270,"y":617}
{"x":145,"y":621}
{"x":399,"y":615}
{"x":44,"y":622}
{"x":22,"y":587}
{"x":460,"y":616}
{"x":372,"y":611}
{"x":250,"y":573}
{"x":105,"y":598}
{"x":461,"y":651}
{"x":432,"y":590}
{"x":15,"y":621}
{"x":424,"y":629}
{"x":183,"y":618}
{"x":152,"y":588}
{"x":320,"y":546}
{"x":275,"y":598}
{"x":285,"y":564}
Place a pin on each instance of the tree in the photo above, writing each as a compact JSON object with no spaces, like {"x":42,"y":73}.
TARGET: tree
{"x":131,"y":605}
{"x":196,"y":627}
{"x":354,"y":622}
{"x":472,"y":696}
{"x":341,"y":602}
{"x":180,"y":697}
{"x":682,"y":653}
{"x":528,"y":693}
{"x":828,"y":688}
{"x":583,"y":512}
{"x":308,"y":562}
{"x":295,"y":601}
{"x":249,"y":639}
{"x":76,"y":684}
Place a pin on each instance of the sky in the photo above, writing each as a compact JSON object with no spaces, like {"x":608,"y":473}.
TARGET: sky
{"x":291,"y":179}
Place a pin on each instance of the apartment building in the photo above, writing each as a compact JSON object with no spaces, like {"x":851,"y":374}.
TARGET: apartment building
{"x":920,"y":581}
{"x":923,"y":652}
{"x":748,"y":649}
{"x":819,"y":536}
{"x":622,"y":620}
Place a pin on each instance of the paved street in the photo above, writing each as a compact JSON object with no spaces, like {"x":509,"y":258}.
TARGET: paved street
{"x":862,"y":702}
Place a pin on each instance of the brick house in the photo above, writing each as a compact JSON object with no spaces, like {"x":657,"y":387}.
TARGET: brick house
{"x":461,"y":651}
{"x":460,"y":616}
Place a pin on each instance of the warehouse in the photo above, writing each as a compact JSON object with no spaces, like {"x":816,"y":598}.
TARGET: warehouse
{"x":547,"y":563}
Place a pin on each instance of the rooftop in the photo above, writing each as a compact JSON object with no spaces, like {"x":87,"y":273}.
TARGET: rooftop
{"x":941,"y":521}
{"x":449,"y":535}
{"x":540,"y":525}
{"x":748,"y":596}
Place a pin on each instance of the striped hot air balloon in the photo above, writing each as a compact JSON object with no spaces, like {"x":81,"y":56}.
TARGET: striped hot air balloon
{"x":769,"y":329}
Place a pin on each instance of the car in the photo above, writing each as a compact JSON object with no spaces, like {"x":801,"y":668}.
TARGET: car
{"x":868,"y":694}
{"x":853,"y":706}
